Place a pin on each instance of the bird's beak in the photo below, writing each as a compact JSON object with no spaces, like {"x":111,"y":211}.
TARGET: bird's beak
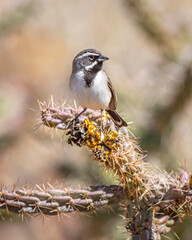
{"x":102,"y":58}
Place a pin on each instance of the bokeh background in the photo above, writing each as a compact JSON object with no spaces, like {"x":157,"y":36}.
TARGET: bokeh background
{"x":149,"y":46}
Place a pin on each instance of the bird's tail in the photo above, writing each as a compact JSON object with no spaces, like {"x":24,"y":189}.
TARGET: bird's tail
{"x":117,"y":119}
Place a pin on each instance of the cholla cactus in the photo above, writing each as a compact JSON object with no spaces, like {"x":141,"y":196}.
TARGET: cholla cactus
{"x":152,"y":199}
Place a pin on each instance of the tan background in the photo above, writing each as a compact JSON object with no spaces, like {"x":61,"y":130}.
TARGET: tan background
{"x":38,"y":41}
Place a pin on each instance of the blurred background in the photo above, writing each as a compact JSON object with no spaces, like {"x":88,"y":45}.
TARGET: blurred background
{"x":149,"y":43}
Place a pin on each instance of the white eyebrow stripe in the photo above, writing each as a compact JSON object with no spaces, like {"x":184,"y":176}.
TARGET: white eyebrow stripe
{"x":88,"y":68}
{"x":88,"y":54}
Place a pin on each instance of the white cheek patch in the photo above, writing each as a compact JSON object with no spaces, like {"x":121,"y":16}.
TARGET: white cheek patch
{"x":90,"y":67}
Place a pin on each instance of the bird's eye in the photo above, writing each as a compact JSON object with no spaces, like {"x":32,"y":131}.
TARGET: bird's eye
{"x":91,"y":58}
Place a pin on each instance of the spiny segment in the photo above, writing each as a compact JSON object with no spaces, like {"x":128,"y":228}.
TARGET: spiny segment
{"x":63,"y":200}
{"x":168,"y":195}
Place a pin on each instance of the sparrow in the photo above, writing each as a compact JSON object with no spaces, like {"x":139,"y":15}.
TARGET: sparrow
{"x":91,"y":86}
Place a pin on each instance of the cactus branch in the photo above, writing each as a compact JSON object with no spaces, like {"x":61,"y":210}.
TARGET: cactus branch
{"x":152,"y":199}
{"x":56,"y":201}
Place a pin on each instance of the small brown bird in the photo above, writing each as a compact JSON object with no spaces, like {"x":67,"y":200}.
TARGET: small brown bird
{"x":91,"y":86}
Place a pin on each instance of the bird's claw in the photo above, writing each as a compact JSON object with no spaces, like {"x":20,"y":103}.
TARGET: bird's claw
{"x":71,"y":123}
{"x":99,"y":129}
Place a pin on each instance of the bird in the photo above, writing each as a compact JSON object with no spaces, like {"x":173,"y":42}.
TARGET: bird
{"x":91,"y":87}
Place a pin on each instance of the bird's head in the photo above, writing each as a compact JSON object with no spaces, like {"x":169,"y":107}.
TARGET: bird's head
{"x":88,"y":60}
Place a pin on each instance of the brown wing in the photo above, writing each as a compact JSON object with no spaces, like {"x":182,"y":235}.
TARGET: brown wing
{"x":113,"y":102}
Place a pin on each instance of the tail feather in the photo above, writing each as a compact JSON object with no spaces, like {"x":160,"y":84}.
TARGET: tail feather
{"x":117,"y":119}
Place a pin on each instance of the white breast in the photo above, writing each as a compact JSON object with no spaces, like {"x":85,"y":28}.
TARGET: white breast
{"x":97,"y":96}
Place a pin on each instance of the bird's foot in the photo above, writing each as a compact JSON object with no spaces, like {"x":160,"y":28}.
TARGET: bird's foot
{"x":99,"y":129}
{"x":72,"y":123}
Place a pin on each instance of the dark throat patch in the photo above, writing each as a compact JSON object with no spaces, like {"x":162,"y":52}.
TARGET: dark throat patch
{"x":89,"y":77}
